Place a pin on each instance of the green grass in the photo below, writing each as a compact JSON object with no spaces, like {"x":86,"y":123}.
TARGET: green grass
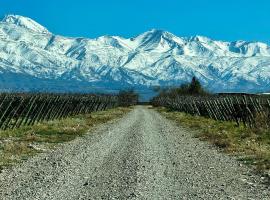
{"x":252,"y":145}
{"x":19,"y":144}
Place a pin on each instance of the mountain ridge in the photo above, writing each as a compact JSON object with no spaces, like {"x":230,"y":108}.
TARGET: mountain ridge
{"x":153,"y":58}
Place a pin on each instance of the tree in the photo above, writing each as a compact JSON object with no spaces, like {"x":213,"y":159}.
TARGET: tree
{"x":128,"y":97}
{"x":192,"y":88}
{"x":195,"y":87}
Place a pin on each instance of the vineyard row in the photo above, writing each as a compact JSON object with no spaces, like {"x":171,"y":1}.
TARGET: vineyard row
{"x":249,"y":110}
{"x":18,"y":110}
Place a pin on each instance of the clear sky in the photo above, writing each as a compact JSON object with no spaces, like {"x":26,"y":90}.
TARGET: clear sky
{"x":218,"y":19}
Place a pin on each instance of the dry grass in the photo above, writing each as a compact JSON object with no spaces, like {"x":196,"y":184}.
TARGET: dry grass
{"x":19,"y":144}
{"x":252,"y":145}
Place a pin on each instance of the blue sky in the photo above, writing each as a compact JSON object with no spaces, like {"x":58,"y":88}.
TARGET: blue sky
{"x":218,"y":19}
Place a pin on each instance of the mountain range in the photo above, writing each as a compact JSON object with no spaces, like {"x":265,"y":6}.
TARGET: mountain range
{"x":34,"y":59}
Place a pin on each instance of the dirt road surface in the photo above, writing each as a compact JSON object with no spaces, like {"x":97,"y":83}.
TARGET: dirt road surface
{"x":141,"y":156}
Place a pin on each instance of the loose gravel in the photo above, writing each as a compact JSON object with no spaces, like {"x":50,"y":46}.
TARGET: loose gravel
{"x":141,"y":156}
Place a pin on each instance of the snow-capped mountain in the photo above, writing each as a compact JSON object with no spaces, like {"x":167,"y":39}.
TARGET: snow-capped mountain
{"x":33,"y":58}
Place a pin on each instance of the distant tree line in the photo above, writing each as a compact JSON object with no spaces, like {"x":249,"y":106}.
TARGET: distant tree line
{"x":127,"y":98}
{"x":193,"y":88}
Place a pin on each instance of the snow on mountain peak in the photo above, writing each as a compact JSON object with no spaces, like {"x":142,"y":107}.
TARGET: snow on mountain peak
{"x":157,"y":39}
{"x":25,"y":22}
{"x":156,"y":57}
{"x":200,"y":38}
{"x":155,"y":34}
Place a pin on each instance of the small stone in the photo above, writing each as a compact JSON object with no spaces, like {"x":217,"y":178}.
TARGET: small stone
{"x":132,"y":194}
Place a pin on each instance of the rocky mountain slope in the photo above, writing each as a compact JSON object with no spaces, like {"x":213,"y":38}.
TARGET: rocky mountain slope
{"x":33,"y":58}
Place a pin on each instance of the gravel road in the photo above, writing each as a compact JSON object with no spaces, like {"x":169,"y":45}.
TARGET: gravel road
{"x":141,"y":156}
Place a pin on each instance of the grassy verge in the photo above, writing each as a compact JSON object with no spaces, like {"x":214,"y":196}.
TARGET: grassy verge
{"x":251,"y":145}
{"x":19,"y":144}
